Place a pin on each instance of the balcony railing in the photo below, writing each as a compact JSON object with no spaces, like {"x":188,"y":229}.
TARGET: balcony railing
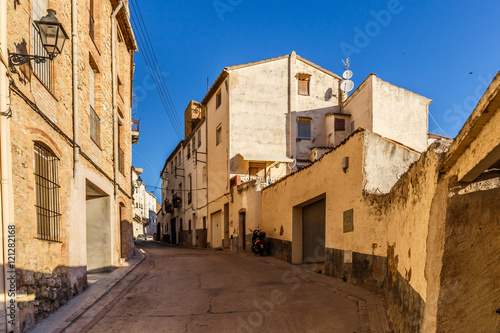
{"x":176,"y":200}
{"x":135,"y":131}
{"x":263,"y":182}
{"x":121,"y":161}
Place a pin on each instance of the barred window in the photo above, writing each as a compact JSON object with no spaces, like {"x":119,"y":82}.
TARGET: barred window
{"x":47,"y":194}
{"x":44,"y":70}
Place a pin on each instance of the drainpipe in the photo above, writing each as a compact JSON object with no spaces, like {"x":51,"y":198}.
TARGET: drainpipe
{"x":76,"y":119}
{"x":7,"y":205}
{"x":113,"y":92}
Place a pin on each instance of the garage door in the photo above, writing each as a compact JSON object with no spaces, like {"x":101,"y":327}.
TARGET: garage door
{"x":313,"y":232}
{"x":216,"y":220}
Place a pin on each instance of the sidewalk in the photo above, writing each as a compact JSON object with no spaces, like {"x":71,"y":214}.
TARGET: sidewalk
{"x":372,"y":313}
{"x":99,"y":286}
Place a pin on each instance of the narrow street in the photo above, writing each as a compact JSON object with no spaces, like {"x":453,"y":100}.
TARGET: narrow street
{"x":190,"y":290}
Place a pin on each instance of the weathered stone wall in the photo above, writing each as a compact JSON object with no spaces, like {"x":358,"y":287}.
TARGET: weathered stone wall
{"x":469,"y":295}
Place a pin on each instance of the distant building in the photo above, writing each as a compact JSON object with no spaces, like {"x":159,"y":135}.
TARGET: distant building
{"x":183,"y":217}
{"x":144,"y":221}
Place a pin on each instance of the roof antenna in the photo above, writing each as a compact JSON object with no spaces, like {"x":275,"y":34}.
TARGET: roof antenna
{"x":347,"y":85}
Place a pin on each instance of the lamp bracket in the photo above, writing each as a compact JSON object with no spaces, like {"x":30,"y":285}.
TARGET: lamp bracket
{"x":18,"y":59}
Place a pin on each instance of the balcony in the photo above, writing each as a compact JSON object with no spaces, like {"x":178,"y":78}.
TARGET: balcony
{"x":135,"y":131}
{"x":176,"y":200}
{"x":168,"y":207}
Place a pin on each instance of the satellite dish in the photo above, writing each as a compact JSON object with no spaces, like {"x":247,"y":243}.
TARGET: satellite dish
{"x":347,"y":86}
{"x":347,"y":74}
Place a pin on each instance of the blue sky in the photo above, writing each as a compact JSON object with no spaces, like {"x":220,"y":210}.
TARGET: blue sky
{"x":446,"y":51}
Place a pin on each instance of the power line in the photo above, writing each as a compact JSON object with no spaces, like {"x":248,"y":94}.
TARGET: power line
{"x":148,"y":39}
{"x":159,"y":84}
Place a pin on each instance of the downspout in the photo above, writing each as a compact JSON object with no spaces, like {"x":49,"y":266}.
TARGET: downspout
{"x":76,"y":119}
{"x":7,"y":205}
{"x":291,"y":63}
{"x":113,"y":93}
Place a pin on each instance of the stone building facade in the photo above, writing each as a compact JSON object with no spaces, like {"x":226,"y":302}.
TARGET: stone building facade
{"x":183,"y":215}
{"x":70,"y":136}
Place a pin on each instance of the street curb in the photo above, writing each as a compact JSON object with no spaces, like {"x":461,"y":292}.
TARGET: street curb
{"x":83,"y":302}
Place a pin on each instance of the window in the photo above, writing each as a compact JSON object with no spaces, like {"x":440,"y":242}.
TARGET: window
{"x":95,"y":121}
{"x":304,"y":129}
{"x":95,"y":127}
{"x":352,"y":126}
{"x":189,"y":226}
{"x":44,"y":71}
{"x":257,"y":169}
{"x":199,"y":139}
{"x":189,"y":150}
{"x":204,"y":223}
{"x":339,"y":124}
{"x":190,"y":189}
{"x":303,"y":84}
{"x":218,"y":135}
{"x":218,"y":100}
{"x":47,"y":194}
{"x":121,"y":153}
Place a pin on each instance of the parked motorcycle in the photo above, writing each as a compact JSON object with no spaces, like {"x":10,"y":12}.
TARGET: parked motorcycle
{"x":258,"y":244}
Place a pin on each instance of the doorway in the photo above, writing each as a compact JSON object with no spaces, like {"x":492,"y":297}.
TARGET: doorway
{"x":98,"y":229}
{"x":173,"y":232}
{"x":226,"y":226}
{"x":242,"y":227}
{"x":313,"y":232}
{"x":215,"y":220}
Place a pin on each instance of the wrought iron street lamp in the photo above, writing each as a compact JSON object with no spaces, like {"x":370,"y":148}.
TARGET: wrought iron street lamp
{"x":53,"y":37}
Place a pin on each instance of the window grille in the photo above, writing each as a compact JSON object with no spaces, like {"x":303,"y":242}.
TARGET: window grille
{"x":44,"y":70}
{"x":47,"y":194}
{"x":339,"y":124}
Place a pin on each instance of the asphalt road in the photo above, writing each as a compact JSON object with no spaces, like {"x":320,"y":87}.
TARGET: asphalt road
{"x":191,"y":290}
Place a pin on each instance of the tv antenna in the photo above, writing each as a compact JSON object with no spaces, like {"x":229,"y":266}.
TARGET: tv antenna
{"x":347,"y":85}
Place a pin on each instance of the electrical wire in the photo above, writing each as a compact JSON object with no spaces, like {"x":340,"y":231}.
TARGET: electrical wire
{"x":147,"y":49}
{"x":169,"y":98}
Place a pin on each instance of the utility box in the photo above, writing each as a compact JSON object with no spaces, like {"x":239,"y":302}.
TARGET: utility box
{"x":349,"y":220}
